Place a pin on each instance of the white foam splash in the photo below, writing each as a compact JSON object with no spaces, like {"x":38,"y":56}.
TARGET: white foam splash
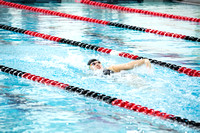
{"x":28,"y":59}
{"x":2,"y":77}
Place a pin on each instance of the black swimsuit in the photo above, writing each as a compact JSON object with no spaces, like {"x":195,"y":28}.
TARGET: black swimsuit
{"x":107,"y":72}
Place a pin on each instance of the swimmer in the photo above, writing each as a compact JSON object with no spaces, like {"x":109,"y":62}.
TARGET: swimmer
{"x":94,"y":64}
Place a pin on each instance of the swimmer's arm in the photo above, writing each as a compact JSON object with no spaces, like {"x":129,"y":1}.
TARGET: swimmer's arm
{"x":130,"y":65}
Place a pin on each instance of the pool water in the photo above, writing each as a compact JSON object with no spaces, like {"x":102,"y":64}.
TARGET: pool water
{"x":26,"y":106}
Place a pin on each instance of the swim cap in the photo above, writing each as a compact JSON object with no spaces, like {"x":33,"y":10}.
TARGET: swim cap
{"x":91,"y":60}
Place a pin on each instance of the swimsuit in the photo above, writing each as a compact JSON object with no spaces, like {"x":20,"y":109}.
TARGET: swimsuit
{"x":107,"y":72}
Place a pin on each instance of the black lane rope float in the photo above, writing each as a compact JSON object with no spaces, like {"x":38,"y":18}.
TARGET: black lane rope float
{"x":134,"y":10}
{"x":180,"y":69}
{"x":101,"y":97}
{"x":55,"y":13}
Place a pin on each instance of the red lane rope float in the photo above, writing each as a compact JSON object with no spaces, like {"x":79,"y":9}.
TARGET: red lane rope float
{"x":43,"y":80}
{"x":163,"y":33}
{"x":133,"y":10}
{"x":55,"y":13}
{"x":99,"y":96}
{"x":188,"y":71}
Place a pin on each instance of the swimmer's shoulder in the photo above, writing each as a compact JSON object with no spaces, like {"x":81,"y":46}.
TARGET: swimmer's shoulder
{"x":112,"y":68}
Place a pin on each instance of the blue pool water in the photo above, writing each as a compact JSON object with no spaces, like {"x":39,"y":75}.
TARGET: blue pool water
{"x":26,"y":106}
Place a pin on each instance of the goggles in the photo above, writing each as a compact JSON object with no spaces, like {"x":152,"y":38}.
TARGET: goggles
{"x":94,"y":63}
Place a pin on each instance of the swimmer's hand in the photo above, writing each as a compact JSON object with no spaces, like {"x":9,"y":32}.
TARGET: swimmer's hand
{"x":147,"y":63}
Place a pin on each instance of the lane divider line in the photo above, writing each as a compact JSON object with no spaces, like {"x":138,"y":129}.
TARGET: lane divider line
{"x":134,"y":10}
{"x":180,"y":69}
{"x":101,"y":97}
{"x":55,"y":13}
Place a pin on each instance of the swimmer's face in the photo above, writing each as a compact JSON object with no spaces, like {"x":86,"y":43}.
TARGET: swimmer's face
{"x":96,"y":65}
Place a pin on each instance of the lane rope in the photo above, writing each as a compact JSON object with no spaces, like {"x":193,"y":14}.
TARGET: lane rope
{"x":101,"y":97}
{"x":134,"y":10}
{"x":180,"y":69}
{"x":55,"y":13}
